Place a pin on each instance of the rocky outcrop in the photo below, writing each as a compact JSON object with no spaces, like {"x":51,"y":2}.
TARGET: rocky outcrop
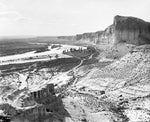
{"x":43,"y":96}
{"x":39,"y":106}
{"x":47,"y":106}
{"x":8,"y":109}
{"x":129,"y":30}
{"x":90,"y":37}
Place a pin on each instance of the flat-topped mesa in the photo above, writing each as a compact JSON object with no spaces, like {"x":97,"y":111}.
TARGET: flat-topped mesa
{"x":129,"y":30}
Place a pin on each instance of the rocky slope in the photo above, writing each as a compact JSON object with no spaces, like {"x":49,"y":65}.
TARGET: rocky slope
{"x":27,"y":93}
{"x":129,"y":30}
{"x":81,"y":89}
{"x":40,"y":106}
{"x":122,"y":88}
{"x":108,"y":91}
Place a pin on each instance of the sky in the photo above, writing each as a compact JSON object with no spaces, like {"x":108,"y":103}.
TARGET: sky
{"x":65,"y":17}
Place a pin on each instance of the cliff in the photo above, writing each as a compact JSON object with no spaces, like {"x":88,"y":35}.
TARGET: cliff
{"x":48,"y":106}
{"x":39,"y":106}
{"x":128,"y":30}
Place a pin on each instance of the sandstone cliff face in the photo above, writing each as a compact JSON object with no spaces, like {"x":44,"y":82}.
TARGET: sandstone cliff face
{"x":123,"y":30}
{"x":91,"y":37}
{"x":131,"y":30}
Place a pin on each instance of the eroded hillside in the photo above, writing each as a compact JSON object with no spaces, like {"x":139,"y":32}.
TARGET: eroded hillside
{"x":123,"y":85}
{"x":108,"y":82}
